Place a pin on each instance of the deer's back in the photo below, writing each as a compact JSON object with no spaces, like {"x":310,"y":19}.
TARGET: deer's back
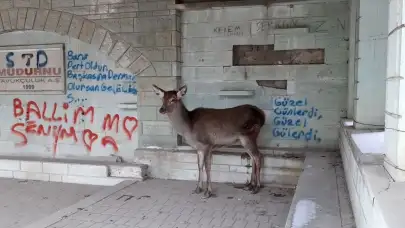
{"x":224,"y":126}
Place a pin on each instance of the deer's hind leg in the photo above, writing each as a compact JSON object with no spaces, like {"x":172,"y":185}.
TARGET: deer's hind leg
{"x":207,"y":165}
{"x":249,"y":143}
{"x":249,"y":184}
{"x":200,"y":162}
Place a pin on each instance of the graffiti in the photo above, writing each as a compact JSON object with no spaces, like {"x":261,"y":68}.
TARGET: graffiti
{"x":230,"y":30}
{"x":86,"y":75}
{"x":59,"y":122}
{"x":291,"y":118}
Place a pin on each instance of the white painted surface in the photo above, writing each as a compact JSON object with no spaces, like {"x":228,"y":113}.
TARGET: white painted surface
{"x":85,"y":89}
{"x":305,"y":211}
{"x":370,"y":143}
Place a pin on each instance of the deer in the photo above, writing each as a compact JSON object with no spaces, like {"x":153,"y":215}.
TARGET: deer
{"x":207,"y":128}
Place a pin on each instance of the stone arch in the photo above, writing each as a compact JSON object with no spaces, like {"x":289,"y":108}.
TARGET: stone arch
{"x":68,"y":24}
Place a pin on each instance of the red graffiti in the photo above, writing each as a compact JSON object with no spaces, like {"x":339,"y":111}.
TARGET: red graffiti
{"x":54,"y":115}
{"x":109,"y":140}
{"x":88,"y":138}
{"x":129,"y":131}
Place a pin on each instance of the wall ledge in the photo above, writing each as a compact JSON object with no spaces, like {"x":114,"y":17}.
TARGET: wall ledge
{"x":376,"y":198}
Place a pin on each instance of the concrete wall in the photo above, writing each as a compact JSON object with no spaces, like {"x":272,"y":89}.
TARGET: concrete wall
{"x":81,"y":92}
{"x":208,"y":37}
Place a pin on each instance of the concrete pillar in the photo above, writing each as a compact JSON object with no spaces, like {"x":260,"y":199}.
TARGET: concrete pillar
{"x":367,"y":63}
{"x":395,"y":95}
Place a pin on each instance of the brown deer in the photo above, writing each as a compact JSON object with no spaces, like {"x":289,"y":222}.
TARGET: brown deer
{"x":206,"y":128}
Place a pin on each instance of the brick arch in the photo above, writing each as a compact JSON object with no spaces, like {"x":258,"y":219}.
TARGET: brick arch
{"x":68,"y":24}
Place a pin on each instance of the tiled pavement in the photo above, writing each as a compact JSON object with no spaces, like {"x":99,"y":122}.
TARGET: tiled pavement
{"x":170,"y":204}
{"x":23,"y":202}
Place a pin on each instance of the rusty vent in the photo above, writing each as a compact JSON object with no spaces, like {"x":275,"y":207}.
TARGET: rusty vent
{"x":250,"y":55}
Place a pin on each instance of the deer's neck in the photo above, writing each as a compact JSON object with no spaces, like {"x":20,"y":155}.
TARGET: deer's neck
{"x":180,"y":120}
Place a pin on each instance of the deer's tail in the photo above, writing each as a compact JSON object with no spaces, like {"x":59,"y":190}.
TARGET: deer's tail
{"x":260,"y":115}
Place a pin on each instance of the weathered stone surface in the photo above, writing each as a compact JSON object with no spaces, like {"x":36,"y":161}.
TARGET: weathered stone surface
{"x":62,"y":3}
{"x":129,"y":57}
{"x":29,"y":21}
{"x":45,"y":4}
{"x":26,"y":3}
{"x":140,"y":64}
{"x":6,"y":20}
{"x":13,"y":14}
{"x":40,"y":19}
{"x":156,"y":128}
{"x":145,"y":83}
{"x":6,"y":4}
{"x":118,"y":50}
{"x":64,"y":23}
{"x":75,"y":27}
{"x":150,"y":71}
{"x":107,"y":43}
{"x":22,"y":15}
{"x":87,"y":31}
{"x":147,"y":113}
{"x":52,"y":21}
{"x":98,"y":36}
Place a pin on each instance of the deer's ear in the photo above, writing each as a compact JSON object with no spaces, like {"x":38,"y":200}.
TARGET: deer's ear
{"x":160,"y":92}
{"x":182,"y":91}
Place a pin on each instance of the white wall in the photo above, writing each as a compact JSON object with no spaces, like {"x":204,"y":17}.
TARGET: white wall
{"x":207,"y":64}
{"x":103,"y":102}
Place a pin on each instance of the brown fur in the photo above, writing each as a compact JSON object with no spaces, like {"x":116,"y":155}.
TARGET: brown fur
{"x":207,"y":128}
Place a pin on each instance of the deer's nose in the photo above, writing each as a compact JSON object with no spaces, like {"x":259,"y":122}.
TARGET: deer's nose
{"x":162,"y":110}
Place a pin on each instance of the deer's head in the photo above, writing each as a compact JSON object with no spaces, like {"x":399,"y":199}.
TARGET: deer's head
{"x":170,"y":99}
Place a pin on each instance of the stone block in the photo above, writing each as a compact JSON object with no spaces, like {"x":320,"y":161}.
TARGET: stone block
{"x":55,"y":178}
{"x":157,"y":141}
{"x":86,"y":34}
{"x":101,"y":181}
{"x":30,"y":18}
{"x":226,"y":160}
{"x":98,"y":36}
{"x":6,"y":174}
{"x":224,"y":29}
{"x":31,"y":176}
{"x":22,"y":14}
{"x":148,"y":98}
{"x":129,"y":57}
{"x":147,"y":113}
{"x":7,"y":4}
{"x":64,"y":23}
{"x":107,"y":43}
{"x":140,"y":64}
{"x":6,"y":20}
{"x":138,"y":171}
{"x":76,"y":27}
{"x":289,"y":42}
{"x":163,"y":68}
{"x":166,"y":83}
{"x":62,"y":3}
{"x":55,"y":168}
{"x":152,"y":53}
{"x":86,"y":2}
{"x":163,"y":38}
{"x":13,"y":14}
{"x":31,"y":166}
{"x":45,"y":4}
{"x":88,"y":170}
{"x":156,"y":128}
{"x":171,"y":54}
{"x":11,"y":165}
{"x":118,"y":50}
{"x":207,"y":58}
{"x":123,"y":8}
{"x":52,"y":21}
{"x":150,"y":71}
{"x":40,"y":19}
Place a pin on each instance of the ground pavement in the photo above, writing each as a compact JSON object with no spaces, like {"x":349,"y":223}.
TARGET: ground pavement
{"x":23,"y":202}
{"x":170,"y":204}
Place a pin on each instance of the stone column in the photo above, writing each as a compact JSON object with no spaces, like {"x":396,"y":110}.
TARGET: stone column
{"x":395,"y":95}
{"x":367,"y":63}
{"x":158,"y":38}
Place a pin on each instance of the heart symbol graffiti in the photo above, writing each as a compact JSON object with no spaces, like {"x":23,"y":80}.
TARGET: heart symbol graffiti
{"x":109,"y":140}
{"x":88,"y":134}
{"x":130,"y":131}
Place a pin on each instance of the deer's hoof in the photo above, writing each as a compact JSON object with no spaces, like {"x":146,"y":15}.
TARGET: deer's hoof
{"x":207,"y":194}
{"x":255,"y":190}
{"x":248,"y":187}
{"x":197,"y":191}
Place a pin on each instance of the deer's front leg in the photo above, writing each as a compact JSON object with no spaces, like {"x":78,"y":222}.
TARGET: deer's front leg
{"x":207,"y":163}
{"x":200,"y":160}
